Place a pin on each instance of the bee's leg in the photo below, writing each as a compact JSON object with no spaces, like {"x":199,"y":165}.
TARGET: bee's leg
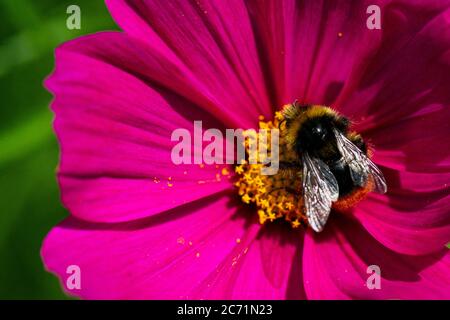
{"x":281,"y":122}
{"x":286,"y":165}
{"x":288,"y":169}
{"x":288,"y":189}
{"x":291,"y":190}
{"x":283,"y":165}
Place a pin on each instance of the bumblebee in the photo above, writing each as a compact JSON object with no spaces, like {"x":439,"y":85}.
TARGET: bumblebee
{"x":332,"y":161}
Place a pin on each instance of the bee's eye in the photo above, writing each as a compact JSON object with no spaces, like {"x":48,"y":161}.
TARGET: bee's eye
{"x":319,"y":131}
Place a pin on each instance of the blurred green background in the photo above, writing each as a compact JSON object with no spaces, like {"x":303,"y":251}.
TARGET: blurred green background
{"x":29,"y":197}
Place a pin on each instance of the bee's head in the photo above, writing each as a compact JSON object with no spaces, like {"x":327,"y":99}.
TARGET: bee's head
{"x":317,"y":132}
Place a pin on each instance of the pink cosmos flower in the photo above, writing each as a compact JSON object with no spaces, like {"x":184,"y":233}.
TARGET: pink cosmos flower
{"x":144,"y":228}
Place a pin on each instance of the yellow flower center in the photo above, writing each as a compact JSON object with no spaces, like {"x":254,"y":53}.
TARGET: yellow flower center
{"x":275,"y":196}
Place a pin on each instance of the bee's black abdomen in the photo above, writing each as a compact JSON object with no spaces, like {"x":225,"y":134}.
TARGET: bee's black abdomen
{"x":342,"y":174}
{"x":341,"y":171}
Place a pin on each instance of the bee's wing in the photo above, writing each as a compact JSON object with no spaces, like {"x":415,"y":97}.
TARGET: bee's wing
{"x":360,"y":165}
{"x":378,"y":178}
{"x":320,"y":189}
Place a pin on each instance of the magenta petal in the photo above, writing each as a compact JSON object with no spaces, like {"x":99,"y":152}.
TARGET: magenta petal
{"x":204,"y":250}
{"x":416,"y":223}
{"x":414,"y":143}
{"x":265,"y":265}
{"x":409,"y":71}
{"x":413,"y":218}
{"x":311,"y":47}
{"x":143,"y":228}
{"x":210,"y":47}
{"x":165,"y":256}
{"x":335,"y":267}
{"x":272,"y":268}
{"x":115,"y":133}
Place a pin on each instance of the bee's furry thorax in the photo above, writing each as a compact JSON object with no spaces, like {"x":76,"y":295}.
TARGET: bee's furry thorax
{"x":299,"y":116}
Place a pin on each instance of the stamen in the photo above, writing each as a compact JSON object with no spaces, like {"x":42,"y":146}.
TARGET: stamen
{"x":275,"y":196}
